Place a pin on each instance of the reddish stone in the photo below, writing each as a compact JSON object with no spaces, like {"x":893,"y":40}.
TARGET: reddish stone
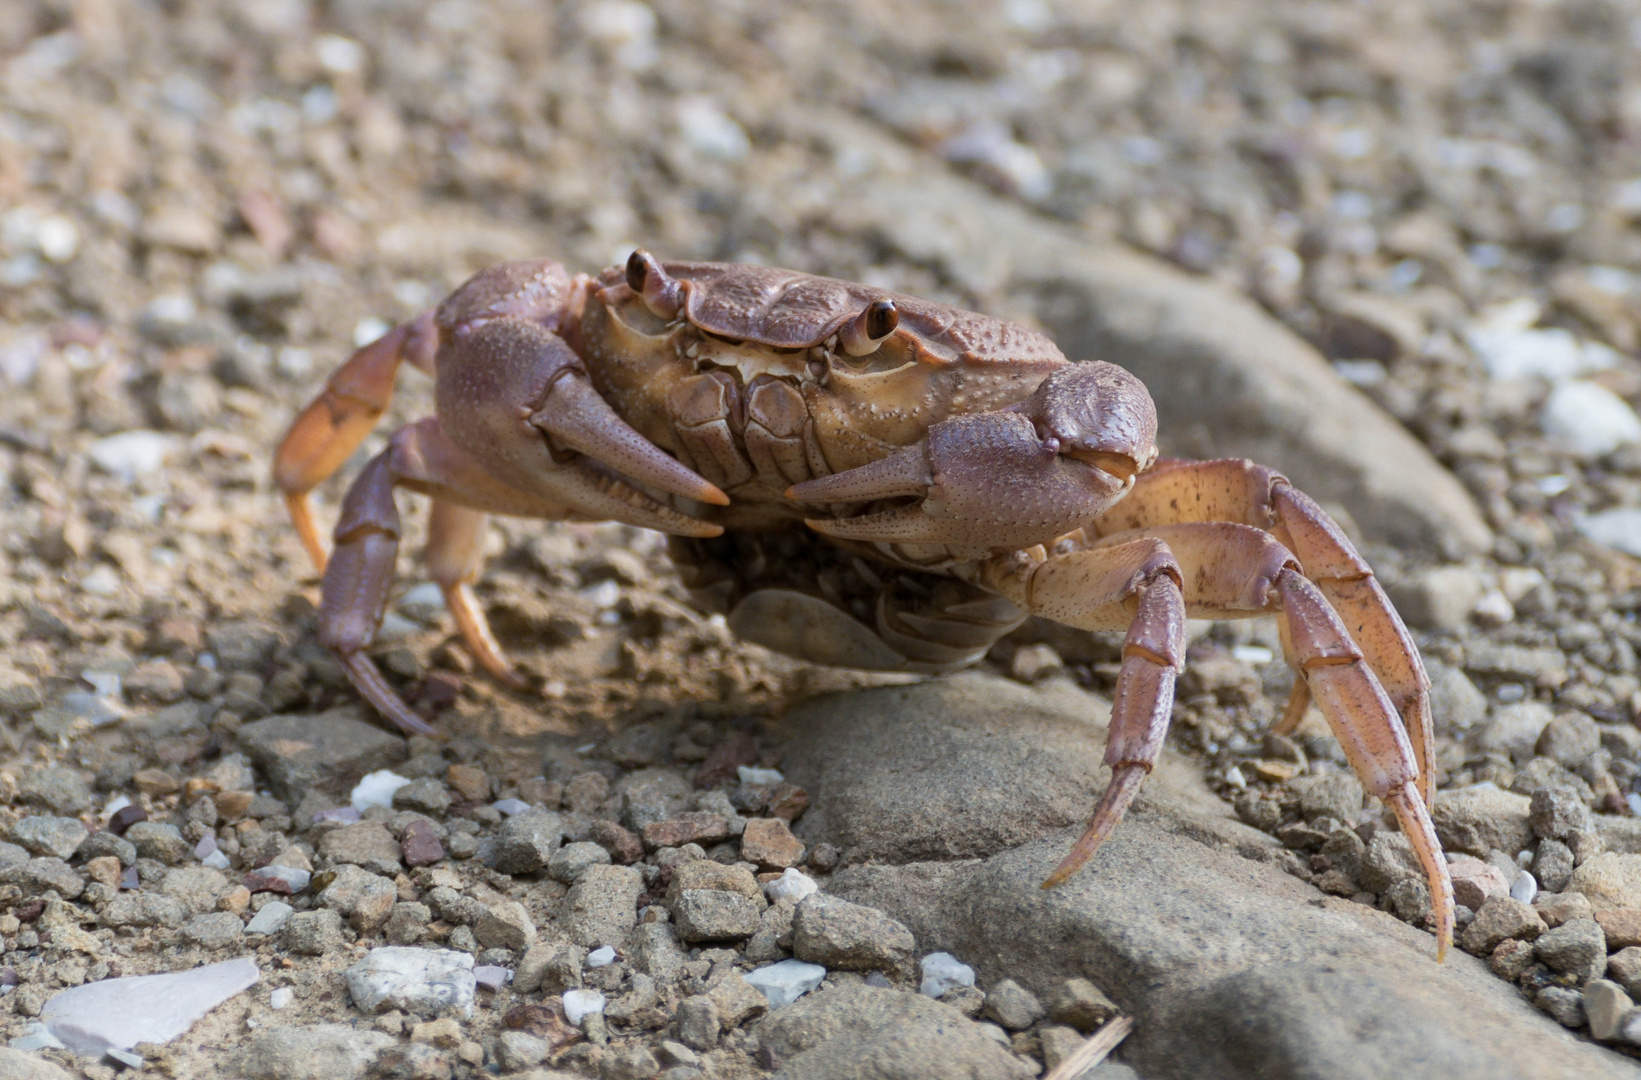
{"x":1622,"y":927}
{"x":421,"y":844}
{"x":726,"y":757}
{"x":125,"y":817}
{"x":788,"y":801}
{"x":473,"y":785}
{"x":624,"y":847}
{"x":695,"y":827}
{"x":769,"y":843}
{"x":544,"y":1022}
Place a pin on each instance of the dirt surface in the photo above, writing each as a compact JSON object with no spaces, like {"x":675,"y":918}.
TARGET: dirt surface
{"x":205,"y":205}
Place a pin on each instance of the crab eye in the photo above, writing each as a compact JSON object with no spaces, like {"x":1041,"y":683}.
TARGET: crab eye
{"x":647,"y":279}
{"x":866,"y":331}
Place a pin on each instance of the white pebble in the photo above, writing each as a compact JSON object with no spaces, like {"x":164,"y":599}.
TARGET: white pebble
{"x":281,"y":997}
{"x":103,"y":580}
{"x":580,"y":1004}
{"x":114,"y":806}
{"x":368,"y":329}
{"x":422,"y":601}
{"x":1252,"y":654}
{"x":58,"y":238}
{"x":510,"y":807}
{"x":942,"y":972}
{"x":1494,"y":609}
{"x":1234,"y":777}
{"x":602,"y":956}
{"x":131,"y":454}
{"x":1589,"y":419}
{"x":750,"y":775}
{"x":216,"y":860}
{"x":1617,"y":528}
{"x":274,"y":914}
{"x":793,"y":885}
{"x":412,"y":980}
{"x":395,"y":627}
{"x":709,"y":131}
{"x":1524,"y":888}
{"x":1634,"y":802}
{"x":376,"y":789}
{"x":785,"y":982}
{"x":1510,"y":348}
{"x":339,"y":55}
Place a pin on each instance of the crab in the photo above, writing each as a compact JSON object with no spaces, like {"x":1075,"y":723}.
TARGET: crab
{"x":857,"y":478}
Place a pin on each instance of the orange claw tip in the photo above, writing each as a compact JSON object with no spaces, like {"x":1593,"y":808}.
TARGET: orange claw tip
{"x":712,"y":494}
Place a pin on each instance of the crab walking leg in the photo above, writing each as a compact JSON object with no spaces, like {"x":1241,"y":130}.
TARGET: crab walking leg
{"x":334,"y":424}
{"x":361,"y":570}
{"x":1137,"y":585}
{"x":1237,"y":490}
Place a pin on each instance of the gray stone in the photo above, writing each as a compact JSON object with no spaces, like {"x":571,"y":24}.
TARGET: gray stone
{"x":154,"y":840}
{"x":1557,"y":812}
{"x":317,"y":1052}
{"x":242,"y":645}
{"x":1388,"y":859}
{"x":1476,"y":820}
{"x":1456,"y":705}
{"x":60,"y":790}
{"x":517,"y":1050}
{"x":698,"y":1025}
{"x":653,"y":948}
{"x":214,"y":930}
{"x":1335,"y":795}
{"x":143,"y":909}
{"x":1012,"y":1006}
{"x":421,"y":982}
{"x":1610,"y":880}
{"x":1569,"y":739}
{"x":735,"y":999}
{"x":951,"y":768}
{"x":425,"y":796}
{"x":363,"y":898}
{"x":1553,"y":865}
{"x":1605,"y":1006}
{"x":1229,"y":381}
{"x":505,"y":924}
{"x":835,"y":933}
{"x":1564,"y":1006}
{"x":629,"y":1063}
{"x":274,"y":914}
{"x":1500,"y":918}
{"x":1440,"y":598}
{"x":866,"y":1033}
{"x":1512,"y":729}
{"x":21,"y":1065}
{"x":714,"y":915}
{"x":366,"y":844}
{"x":567,"y":863}
{"x":46,"y":834}
{"x":1080,"y":1004}
{"x":602,"y":906}
{"x":106,"y":843}
{"x":1577,"y":947}
{"x":194,"y":887}
{"x":1624,"y":968}
{"x":524,"y":843}
{"x":312,"y":933}
{"x":327,"y":752}
{"x":406,"y":923}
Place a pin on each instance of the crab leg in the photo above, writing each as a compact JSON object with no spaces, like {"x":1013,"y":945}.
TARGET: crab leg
{"x":334,"y":424}
{"x":1229,"y":570}
{"x":361,"y":570}
{"x":1240,"y":491}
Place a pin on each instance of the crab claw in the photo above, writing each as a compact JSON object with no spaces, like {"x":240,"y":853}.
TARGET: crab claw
{"x":1005,"y":480}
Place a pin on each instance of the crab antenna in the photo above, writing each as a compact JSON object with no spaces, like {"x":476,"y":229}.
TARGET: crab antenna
{"x":866,"y":331}
{"x":659,"y":292}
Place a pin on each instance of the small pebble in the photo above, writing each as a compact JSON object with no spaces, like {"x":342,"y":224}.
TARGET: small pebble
{"x":785,"y":982}
{"x":941,"y":972}
{"x":751,"y":775}
{"x":580,"y":1004}
{"x":1524,"y":888}
{"x":510,"y":807}
{"x":376,"y":789}
{"x":491,"y":976}
{"x":793,"y":885}
{"x":280,"y":997}
{"x":601,"y":957}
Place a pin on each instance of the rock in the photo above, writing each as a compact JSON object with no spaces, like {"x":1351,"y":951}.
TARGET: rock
{"x":1553,"y":865}
{"x":312,"y":933}
{"x":164,"y":843}
{"x":568,"y":862}
{"x":1512,"y":729}
{"x":785,"y":982}
{"x":1605,"y":1006}
{"x":941,"y":972}
{"x":602,"y":906}
{"x":1556,"y":813}
{"x":949,"y":768}
{"x":835,"y":933}
{"x":425,"y":796}
{"x":1387,"y":860}
{"x":419,"y":844}
{"x":865,"y":1033}
{"x":366,"y":844}
{"x":1564,"y":1006}
{"x":516,"y":1051}
{"x":421,"y":982}
{"x":289,"y":880}
{"x":143,"y":909}
{"x":770,"y":843}
{"x":1335,"y":795}
{"x":120,"y":1013}
{"x":623,"y":846}
{"x":328,"y":752}
{"x":1589,"y":419}
{"x":1207,"y":352}
{"x":1569,"y":739}
{"x":1499,"y":918}
{"x":1437,"y":599}
{"x":194,"y":887}
{"x":1512,"y":958}
{"x":698,"y":1024}
{"x":1080,"y":1003}
{"x":216,"y":930}
{"x":21,"y":1065}
{"x":629,"y":1063}
{"x":1455,"y":702}
{"x":580,"y":1004}
{"x":735,"y":999}
{"x":1474,"y":881}
{"x":60,"y":790}
{"x":1624,"y":968}
{"x":653,"y":949}
{"x":792,"y":885}
{"x":505,"y":925}
{"x":1557,"y":909}
{"x":1610,"y":880}
{"x":376,"y":789}
{"x":1622,"y":926}
{"x":1012,"y":1006}
{"x":705,"y":874}
{"x":46,"y":834}
{"x":524,"y":843}
{"x":714,"y":915}
{"x":316,"y":1052}
{"x":1576,"y":947}
{"x":1480,"y":819}
{"x":694,"y":827}
{"x":363,"y":898}
{"x":472,"y":784}
{"x":406,"y":923}
{"x":274,"y":914}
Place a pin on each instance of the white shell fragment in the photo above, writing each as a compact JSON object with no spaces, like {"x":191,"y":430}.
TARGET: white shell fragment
{"x":120,"y":1013}
{"x":423,"y":982}
{"x":376,"y":789}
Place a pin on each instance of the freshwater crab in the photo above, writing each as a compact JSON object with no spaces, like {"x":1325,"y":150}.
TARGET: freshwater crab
{"x":857,"y":478}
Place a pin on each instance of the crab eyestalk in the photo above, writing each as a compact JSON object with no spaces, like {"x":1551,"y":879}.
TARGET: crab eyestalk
{"x":660,"y":293}
{"x":861,"y":335}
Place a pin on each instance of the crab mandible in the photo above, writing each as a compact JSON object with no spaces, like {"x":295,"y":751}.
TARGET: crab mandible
{"x":856,"y":478}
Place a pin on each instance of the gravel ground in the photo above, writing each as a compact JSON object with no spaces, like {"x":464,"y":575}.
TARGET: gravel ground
{"x":204,"y":205}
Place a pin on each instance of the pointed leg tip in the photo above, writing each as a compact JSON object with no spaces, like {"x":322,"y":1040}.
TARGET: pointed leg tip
{"x":713,"y":495}
{"x":1057,"y":878}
